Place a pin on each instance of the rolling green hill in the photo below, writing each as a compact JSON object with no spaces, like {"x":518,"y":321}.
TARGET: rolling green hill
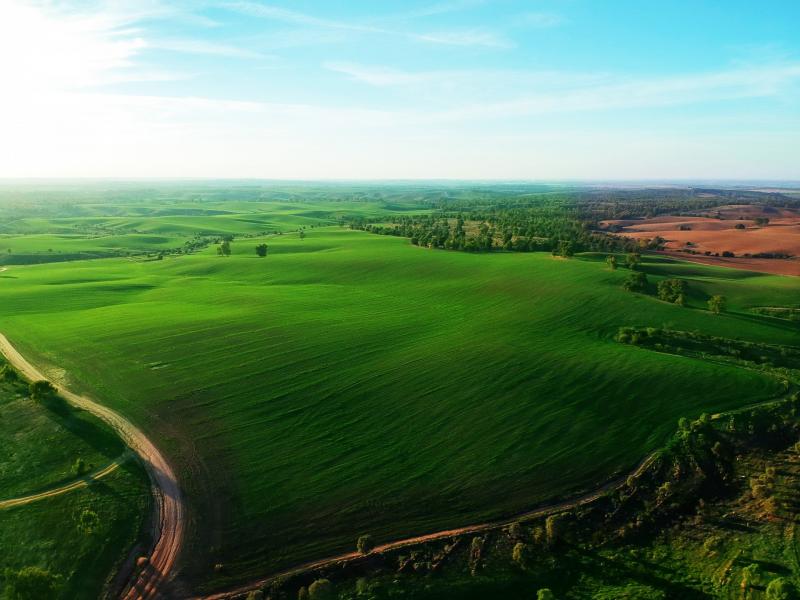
{"x":351,"y":383}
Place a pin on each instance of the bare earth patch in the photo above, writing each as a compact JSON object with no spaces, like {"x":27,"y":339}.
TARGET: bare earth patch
{"x":734,"y":230}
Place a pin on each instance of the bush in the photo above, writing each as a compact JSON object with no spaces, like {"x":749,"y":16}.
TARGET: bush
{"x":635,"y":282}
{"x":8,"y":373}
{"x":40,"y":390}
{"x":519,"y":554}
{"x":321,"y":589}
{"x":716,"y":304}
{"x":781,"y":589}
{"x":545,"y":594}
{"x":30,"y":583}
{"x":672,"y":290}
{"x":79,"y":467}
{"x":365,"y":544}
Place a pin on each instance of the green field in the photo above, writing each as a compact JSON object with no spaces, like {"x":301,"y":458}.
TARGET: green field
{"x":352,"y":383}
{"x":79,"y":537}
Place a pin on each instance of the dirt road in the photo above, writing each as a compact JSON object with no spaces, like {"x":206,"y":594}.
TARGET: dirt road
{"x":149,"y":579}
{"x":79,"y":483}
{"x":440,"y":535}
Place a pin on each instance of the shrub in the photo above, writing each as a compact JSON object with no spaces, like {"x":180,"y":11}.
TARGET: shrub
{"x":79,"y":467}
{"x":321,"y":589}
{"x":30,"y":583}
{"x":88,"y":521}
{"x":365,"y":544}
{"x":672,"y":290}
{"x":781,"y":589}
{"x":716,"y":304}
{"x":635,"y":282}
{"x":553,"y":526}
{"x":519,"y":554}
{"x":545,"y":594}
{"x":42,"y":389}
{"x":8,"y":373}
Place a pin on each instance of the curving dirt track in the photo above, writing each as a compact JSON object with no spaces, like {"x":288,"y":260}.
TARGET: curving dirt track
{"x":440,"y":535}
{"x":148,"y":581}
{"x":79,"y":483}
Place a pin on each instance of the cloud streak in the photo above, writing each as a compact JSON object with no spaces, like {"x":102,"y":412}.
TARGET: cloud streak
{"x":455,"y":37}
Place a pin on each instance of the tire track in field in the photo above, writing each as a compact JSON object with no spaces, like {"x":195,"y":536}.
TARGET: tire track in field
{"x":77,"y":484}
{"x":148,"y":580}
{"x":441,"y":535}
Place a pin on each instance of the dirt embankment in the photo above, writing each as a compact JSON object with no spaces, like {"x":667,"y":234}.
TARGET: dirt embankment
{"x":151,"y":575}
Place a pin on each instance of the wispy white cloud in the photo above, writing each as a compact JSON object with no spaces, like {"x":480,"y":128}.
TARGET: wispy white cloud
{"x":293,"y":17}
{"x":465,"y":37}
{"x":719,"y":86}
{"x":520,"y":93}
{"x":503,"y":80}
{"x":192,"y":46}
{"x":439,"y":8}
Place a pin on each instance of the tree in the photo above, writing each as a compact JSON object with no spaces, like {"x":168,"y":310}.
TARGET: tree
{"x":321,"y":589}
{"x":88,"y":521}
{"x":545,"y":594}
{"x":564,"y":248}
{"x":365,"y":544}
{"x":781,"y":589}
{"x":635,"y":282}
{"x":751,"y":575}
{"x":761,"y":221}
{"x":42,"y":389}
{"x":611,"y":261}
{"x":672,"y":290}
{"x":302,"y":234}
{"x":224,"y":248}
{"x":520,"y":554}
{"x":79,"y":467}
{"x":632,"y":260}
{"x":8,"y":373}
{"x":261,"y":250}
{"x":30,"y":583}
{"x":553,"y":526}
{"x":716,"y":304}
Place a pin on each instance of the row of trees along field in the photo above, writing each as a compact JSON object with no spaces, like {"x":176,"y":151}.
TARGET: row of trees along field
{"x":557,"y":222}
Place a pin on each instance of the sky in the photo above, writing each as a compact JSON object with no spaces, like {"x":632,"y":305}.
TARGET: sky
{"x":383,"y":89}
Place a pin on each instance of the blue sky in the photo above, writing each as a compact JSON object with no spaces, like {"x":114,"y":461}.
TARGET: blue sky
{"x":495,"y":89}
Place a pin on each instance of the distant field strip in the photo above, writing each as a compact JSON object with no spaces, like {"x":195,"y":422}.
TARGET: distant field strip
{"x":75,"y":485}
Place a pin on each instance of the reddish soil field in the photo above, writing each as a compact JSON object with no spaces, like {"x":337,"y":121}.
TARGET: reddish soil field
{"x":703,"y":237}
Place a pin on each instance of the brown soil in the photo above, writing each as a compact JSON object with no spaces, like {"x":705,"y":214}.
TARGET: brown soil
{"x":715,"y":231}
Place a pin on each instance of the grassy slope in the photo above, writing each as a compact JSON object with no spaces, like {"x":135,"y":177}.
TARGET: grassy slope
{"x":352,"y":383}
{"x":43,"y":442}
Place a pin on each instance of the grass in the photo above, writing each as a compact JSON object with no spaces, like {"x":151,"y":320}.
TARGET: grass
{"x":42,"y":442}
{"x":351,"y":383}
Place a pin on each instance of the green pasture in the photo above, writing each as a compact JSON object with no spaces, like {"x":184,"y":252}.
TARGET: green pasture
{"x":350,"y":383}
{"x":79,"y":538}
